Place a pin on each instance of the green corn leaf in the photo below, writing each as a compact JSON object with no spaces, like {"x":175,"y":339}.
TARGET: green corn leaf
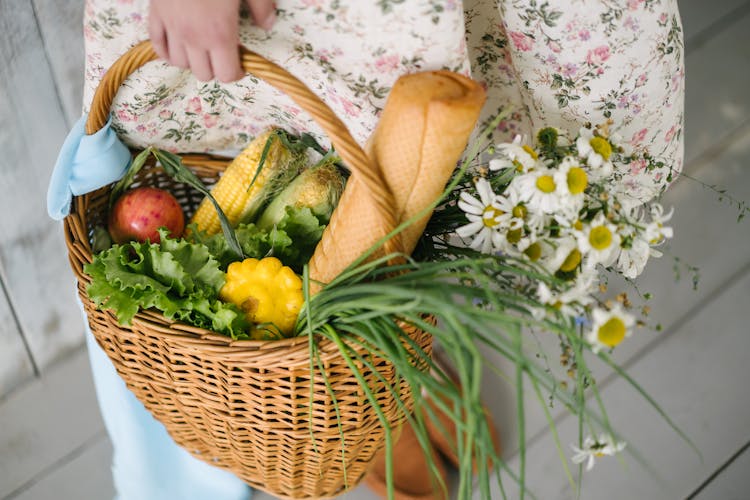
{"x":173,"y":166}
{"x":123,"y":184}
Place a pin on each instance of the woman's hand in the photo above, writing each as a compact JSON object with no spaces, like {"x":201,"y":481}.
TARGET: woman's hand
{"x":203,"y":35}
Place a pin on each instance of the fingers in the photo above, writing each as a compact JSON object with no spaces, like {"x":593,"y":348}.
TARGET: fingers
{"x":226,"y":64}
{"x":263,"y":12}
{"x":199,"y":63}
{"x":177,"y":53}
{"x":157,"y":34}
{"x":200,"y":35}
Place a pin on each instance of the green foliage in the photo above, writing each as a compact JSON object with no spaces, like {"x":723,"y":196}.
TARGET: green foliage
{"x":292,"y":240}
{"x":180,"y":279}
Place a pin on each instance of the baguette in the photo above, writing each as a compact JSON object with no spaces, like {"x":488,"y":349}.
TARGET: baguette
{"x":422,"y":132}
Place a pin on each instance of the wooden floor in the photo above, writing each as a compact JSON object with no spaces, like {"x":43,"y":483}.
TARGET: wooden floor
{"x":53,"y":445}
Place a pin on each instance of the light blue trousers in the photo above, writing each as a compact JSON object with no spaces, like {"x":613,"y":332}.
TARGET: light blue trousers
{"x":147,"y":464}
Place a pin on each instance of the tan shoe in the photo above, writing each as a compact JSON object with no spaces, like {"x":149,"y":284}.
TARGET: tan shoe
{"x":443,"y":436}
{"x":412,"y":478}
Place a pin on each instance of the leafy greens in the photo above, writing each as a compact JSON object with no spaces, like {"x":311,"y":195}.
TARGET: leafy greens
{"x":179,"y":278}
{"x":292,"y":240}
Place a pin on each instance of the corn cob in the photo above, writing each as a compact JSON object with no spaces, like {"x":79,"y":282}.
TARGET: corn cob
{"x":241,"y":197}
{"x":424,"y":128}
{"x":317,"y":188}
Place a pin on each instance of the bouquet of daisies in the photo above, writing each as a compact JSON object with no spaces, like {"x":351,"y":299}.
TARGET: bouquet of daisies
{"x":559,"y":204}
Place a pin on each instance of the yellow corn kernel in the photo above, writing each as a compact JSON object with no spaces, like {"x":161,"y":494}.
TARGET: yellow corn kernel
{"x":234,"y":193}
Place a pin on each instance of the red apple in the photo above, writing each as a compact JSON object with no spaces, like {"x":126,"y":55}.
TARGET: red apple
{"x":138,"y":213}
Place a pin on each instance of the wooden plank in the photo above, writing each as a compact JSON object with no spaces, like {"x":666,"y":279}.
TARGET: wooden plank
{"x":32,"y":251}
{"x":45,"y":420}
{"x":15,"y":363}
{"x":716,"y":92}
{"x":731,"y":482}
{"x":702,"y":20}
{"x":61,"y":27}
{"x":84,"y":475}
{"x":699,"y":375}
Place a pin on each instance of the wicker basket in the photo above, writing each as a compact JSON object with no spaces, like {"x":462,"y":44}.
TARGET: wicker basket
{"x":244,"y":406}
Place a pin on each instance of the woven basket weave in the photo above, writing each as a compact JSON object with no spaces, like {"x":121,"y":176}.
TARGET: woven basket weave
{"x":244,"y":406}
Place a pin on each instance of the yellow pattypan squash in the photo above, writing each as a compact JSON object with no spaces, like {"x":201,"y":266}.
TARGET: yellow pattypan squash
{"x":268,"y":292}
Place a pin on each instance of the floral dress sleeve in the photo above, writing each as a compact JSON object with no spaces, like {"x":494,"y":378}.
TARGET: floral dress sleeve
{"x":561,"y":63}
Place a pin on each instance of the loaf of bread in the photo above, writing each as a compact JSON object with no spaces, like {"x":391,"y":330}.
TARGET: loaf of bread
{"x":422,"y":132}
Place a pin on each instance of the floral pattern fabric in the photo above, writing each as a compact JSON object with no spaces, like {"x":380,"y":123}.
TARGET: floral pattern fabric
{"x":561,"y":63}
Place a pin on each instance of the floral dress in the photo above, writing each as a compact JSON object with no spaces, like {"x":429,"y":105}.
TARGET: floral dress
{"x":561,"y":63}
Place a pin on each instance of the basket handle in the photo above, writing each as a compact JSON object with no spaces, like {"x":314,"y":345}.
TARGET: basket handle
{"x":351,"y":153}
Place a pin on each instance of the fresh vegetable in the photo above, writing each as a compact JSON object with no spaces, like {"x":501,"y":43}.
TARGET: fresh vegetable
{"x":268,"y":292}
{"x":263,"y":168}
{"x":177,"y":277}
{"x":183,"y":277}
{"x":292,"y":240}
{"x":139,"y":213}
{"x":172,"y":165}
{"x":317,"y":188}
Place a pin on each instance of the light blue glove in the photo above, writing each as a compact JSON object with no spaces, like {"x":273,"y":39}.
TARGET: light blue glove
{"x":85,"y":163}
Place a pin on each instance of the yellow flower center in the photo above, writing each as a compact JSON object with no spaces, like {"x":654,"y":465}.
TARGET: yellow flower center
{"x":577,"y":180}
{"x":520,"y":211}
{"x":545,"y":183}
{"x":533,"y":252}
{"x":578,"y":225}
{"x":600,"y":237}
{"x":519,"y":165}
{"x":612,"y":332}
{"x":601,"y":146}
{"x":489,"y":215}
{"x":571,"y":261}
{"x":531,"y":152}
{"x":514,"y":236}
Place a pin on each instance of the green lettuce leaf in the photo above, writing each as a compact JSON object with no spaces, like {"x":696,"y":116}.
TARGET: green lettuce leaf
{"x":179,"y":278}
{"x":292,"y":240}
{"x":305,"y":229}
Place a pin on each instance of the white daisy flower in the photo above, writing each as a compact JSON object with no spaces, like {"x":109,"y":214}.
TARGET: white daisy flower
{"x":564,"y":255}
{"x":538,"y":222}
{"x":656,"y":233}
{"x":571,"y":300}
{"x":599,"y":241}
{"x":534,"y":220}
{"x":571,"y":181}
{"x":516,"y":155}
{"x":609,"y":328}
{"x":593,"y":448}
{"x":487,"y":215}
{"x":596,"y":151}
{"x":632,"y":260}
{"x":520,"y":212}
{"x":535,"y":249}
{"x":538,"y":190}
